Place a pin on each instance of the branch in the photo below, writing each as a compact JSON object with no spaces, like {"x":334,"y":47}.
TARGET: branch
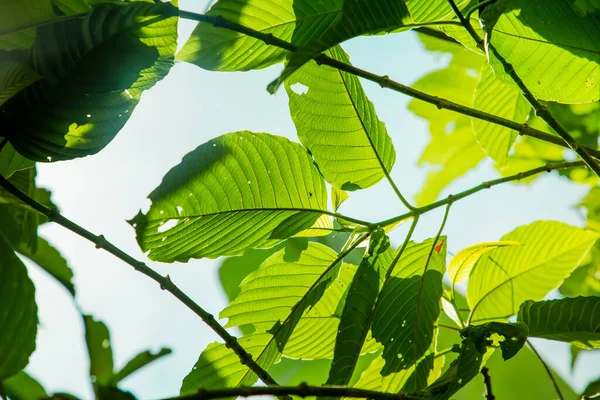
{"x":540,"y":109}
{"x":482,"y":186}
{"x":303,"y":390}
{"x":384,"y":81}
{"x":487,"y":380}
{"x":552,"y":379}
{"x":164,"y":281}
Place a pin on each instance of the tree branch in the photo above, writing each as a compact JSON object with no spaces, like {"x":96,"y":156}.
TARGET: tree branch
{"x":552,"y":379}
{"x":487,"y":380}
{"x":385,"y":81}
{"x":482,"y":186}
{"x":540,"y":109}
{"x":303,"y":390}
{"x":164,"y":281}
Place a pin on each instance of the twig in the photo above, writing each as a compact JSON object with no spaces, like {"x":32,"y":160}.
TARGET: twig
{"x":552,"y":379}
{"x":303,"y":390}
{"x":540,"y":109}
{"x":164,"y":281}
{"x":476,"y":7}
{"x":385,"y":81}
{"x":452,"y":328}
{"x":482,"y":186}
{"x":487,"y":380}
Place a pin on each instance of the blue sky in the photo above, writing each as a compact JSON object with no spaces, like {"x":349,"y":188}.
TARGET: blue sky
{"x":186,"y":109}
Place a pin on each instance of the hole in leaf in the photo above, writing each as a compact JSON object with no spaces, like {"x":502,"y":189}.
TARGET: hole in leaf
{"x":299,"y":88}
{"x":167,"y":225}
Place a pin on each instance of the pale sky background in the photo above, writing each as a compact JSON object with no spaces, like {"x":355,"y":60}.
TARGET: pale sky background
{"x":187,"y":108}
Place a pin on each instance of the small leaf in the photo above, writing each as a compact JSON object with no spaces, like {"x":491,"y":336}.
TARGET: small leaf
{"x":463,"y":262}
{"x":262,"y":185}
{"x":575,"y":320}
{"x":97,"y":339}
{"x":505,"y":277}
{"x":139,"y":361}
{"x":18,"y":313}
{"x":408,"y":306}
{"x":23,"y":387}
{"x":127,"y":47}
{"x":338,"y":196}
{"x":337,"y":122}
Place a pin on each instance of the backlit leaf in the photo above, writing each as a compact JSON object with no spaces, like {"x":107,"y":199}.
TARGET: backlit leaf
{"x":97,"y":338}
{"x":23,"y":387}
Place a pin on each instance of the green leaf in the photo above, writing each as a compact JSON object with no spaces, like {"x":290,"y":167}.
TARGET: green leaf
{"x":262,"y":185}
{"x":338,"y":124}
{"x":18,"y":313}
{"x":127,"y":48}
{"x":558,"y":61}
{"x":49,"y":259}
{"x":505,"y":277}
{"x":357,"y":312}
{"x":584,"y":280}
{"x":592,"y":389}
{"x":14,"y":77}
{"x":409,"y":304}
{"x":97,"y":339}
{"x":453,"y":149}
{"x":17,"y":17}
{"x":575,"y":320}
{"x":338,"y":196}
{"x":432,"y":10}
{"x":514,"y":337}
{"x":11,"y":161}
{"x":463,"y":262}
{"x":23,"y":387}
{"x":139,"y":361}
{"x":354,"y":18}
{"x":498,"y":98}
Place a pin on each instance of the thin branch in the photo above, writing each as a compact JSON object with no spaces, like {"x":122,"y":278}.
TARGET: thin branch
{"x":303,"y":390}
{"x":384,"y":81}
{"x":550,"y":375}
{"x":452,"y":328}
{"x":487,"y":380}
{"x":164,"y":281}
{"x":540,"y":109}
{"x":476,"y":7}
{"x":482,"y":186}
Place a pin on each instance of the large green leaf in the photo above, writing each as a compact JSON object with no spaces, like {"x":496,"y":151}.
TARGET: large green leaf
{"x":357,"y":312}
{"x":338,"y":124}
{"x":345,"y":20}
{"x":240,"y":190}
{"x":18,"y":313}
{"x":23,"y":387}
{"x":315,"y":271}
{"x":498,"y":98}
{"x":97,"y":338}
{"x":557,"y":61}
{"x":409,"y":304}
{"x":49,"y":259}
{"x":505,"y":277}
{"x":127,"y":48}
{"x":575,"y":320}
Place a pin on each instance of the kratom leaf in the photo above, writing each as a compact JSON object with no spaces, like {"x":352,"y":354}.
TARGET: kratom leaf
{"x":23,"y":387}
{"x":139,"y":361}
{"x":17,"y":17}
{"x":575,"y":320}
{"x":345,"y":20}
{"x":498,"y":98}
{"x":49,"y":259}
{"x":262,"y":185}
{"x":357,"y":312}
{"x":338,"y":196}
{"x":337,"y":122}
{"x":97,"y":338}
{"x":559,"y":61}
{"x":11,"y":161}
{"x":408,"y":306}
{"x":505,"y":277}
{"x":18,"y":313}
{"x":127,"y":48}
{"x":432,"y":10}
{"x":220,"y":367}
{"x":14,"y":77}
{"x":462,"y":263}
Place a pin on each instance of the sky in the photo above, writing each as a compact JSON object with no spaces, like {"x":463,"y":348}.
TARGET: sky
{"x":189,"y":107}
